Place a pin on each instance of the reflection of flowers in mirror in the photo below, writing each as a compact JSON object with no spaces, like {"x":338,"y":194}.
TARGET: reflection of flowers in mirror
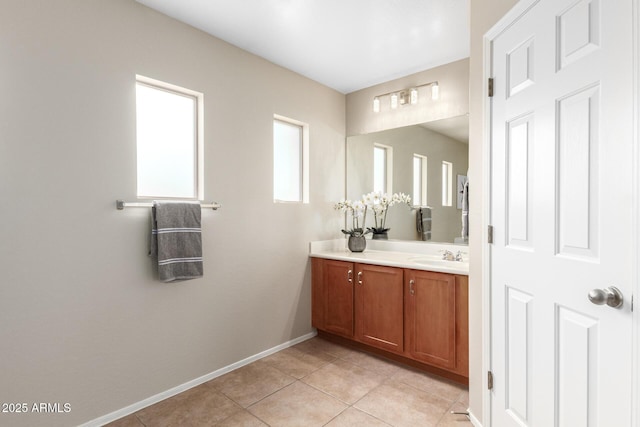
{"x":379,"y":203}
{"x":358,"y":212}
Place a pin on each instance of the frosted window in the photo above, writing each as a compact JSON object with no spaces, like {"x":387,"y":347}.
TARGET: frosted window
{"x":380,"y":169}
{"x":419,"y":180}
{"x":447,"y":187}
{"x":167,"y":143}
{"x":287,"y":161}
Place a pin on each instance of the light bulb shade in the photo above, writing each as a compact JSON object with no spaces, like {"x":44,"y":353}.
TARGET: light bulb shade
{"x":376,"y":105}
{"x":435,"y":91}
{"x":413,"y":96}
{"x":394,"y":101}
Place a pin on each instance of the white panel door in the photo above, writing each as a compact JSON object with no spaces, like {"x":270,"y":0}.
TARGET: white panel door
{"x":561,"y":168}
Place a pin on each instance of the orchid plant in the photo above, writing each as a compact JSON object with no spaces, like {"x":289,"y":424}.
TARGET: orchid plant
{"x":358,"y":212}
{"x":379,"y":203}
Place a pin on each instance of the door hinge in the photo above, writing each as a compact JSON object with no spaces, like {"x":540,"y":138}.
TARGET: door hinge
{"x":490,"y":234}
{"x":490,"y":87}
{"x":490,"y":380}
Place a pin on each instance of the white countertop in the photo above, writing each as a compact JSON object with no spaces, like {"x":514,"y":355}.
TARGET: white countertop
{"x":395,"y":254}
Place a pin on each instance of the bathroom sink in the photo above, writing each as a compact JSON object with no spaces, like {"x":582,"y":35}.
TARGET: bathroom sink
{"x":436,"y":261}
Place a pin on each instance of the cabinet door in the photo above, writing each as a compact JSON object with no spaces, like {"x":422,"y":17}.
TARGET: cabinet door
{"x":462,"y":325}
{"x":338,"y":298}
{"x":379,"y":306}
{"x":430,"y":318}
{"x":317,"y":293}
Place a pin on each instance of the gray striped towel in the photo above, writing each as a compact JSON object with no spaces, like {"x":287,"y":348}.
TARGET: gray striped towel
{"x":176,"y":240}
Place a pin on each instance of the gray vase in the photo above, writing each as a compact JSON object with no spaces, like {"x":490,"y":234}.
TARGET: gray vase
{"x":357,"y":243}
{"x":380,"y":236}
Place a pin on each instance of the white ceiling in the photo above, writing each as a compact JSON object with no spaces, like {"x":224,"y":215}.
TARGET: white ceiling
{"x":344,"y":44}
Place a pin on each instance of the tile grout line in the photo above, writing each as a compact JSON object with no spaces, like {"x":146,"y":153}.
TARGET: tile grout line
{"x":348,"y":405}
{"x":318,"y":359}
{"x":386,"y":380}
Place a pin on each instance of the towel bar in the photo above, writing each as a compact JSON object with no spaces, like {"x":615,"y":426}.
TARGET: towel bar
{"x":121,"y":204}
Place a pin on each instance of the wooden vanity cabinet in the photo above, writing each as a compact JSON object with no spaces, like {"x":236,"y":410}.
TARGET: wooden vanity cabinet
{"x":332,"y":296}
{"x":420,"y":316}
{"x":379,"y":307}
{"x":359,"y":301}
{"x":436,"y":319}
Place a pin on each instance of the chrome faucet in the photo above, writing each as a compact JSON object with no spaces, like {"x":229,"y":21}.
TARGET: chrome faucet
{"x":448,"y":256}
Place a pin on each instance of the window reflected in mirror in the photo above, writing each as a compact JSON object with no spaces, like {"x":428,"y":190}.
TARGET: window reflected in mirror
{"x":420,"y":180}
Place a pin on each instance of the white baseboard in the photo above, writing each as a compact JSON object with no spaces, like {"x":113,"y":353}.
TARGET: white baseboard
{"x":105,"y":419}
{"x":474,"y":420}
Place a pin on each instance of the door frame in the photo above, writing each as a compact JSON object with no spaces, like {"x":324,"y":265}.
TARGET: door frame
{"x":518,"y":10}
{"x":636,"y":212}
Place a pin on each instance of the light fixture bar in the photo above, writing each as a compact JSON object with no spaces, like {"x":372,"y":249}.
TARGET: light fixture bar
{"x":407,"y":96}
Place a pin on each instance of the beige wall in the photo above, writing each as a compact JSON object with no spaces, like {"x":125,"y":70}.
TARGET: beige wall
{"x":484,"y":14}
{"x":453,"y":80}
{"x":81,"y":318}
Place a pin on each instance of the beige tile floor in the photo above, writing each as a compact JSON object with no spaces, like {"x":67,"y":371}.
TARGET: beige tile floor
{"x":314,"y":383}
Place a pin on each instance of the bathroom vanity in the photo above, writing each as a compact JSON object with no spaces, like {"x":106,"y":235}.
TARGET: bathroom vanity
{"x":401,"y":301}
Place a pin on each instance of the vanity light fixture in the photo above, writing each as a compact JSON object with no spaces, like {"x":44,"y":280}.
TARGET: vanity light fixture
{"x":394,"y":101}
{"x":435,"y":91}
{"x":407,"y":96}
{"x":414,"y":96}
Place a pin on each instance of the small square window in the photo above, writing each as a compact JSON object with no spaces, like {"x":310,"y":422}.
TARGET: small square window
{"x":290,"y":160}
{"x":169,"y":141}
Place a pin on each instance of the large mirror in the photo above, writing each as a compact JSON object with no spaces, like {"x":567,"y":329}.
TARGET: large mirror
{"x":423,"y":161}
